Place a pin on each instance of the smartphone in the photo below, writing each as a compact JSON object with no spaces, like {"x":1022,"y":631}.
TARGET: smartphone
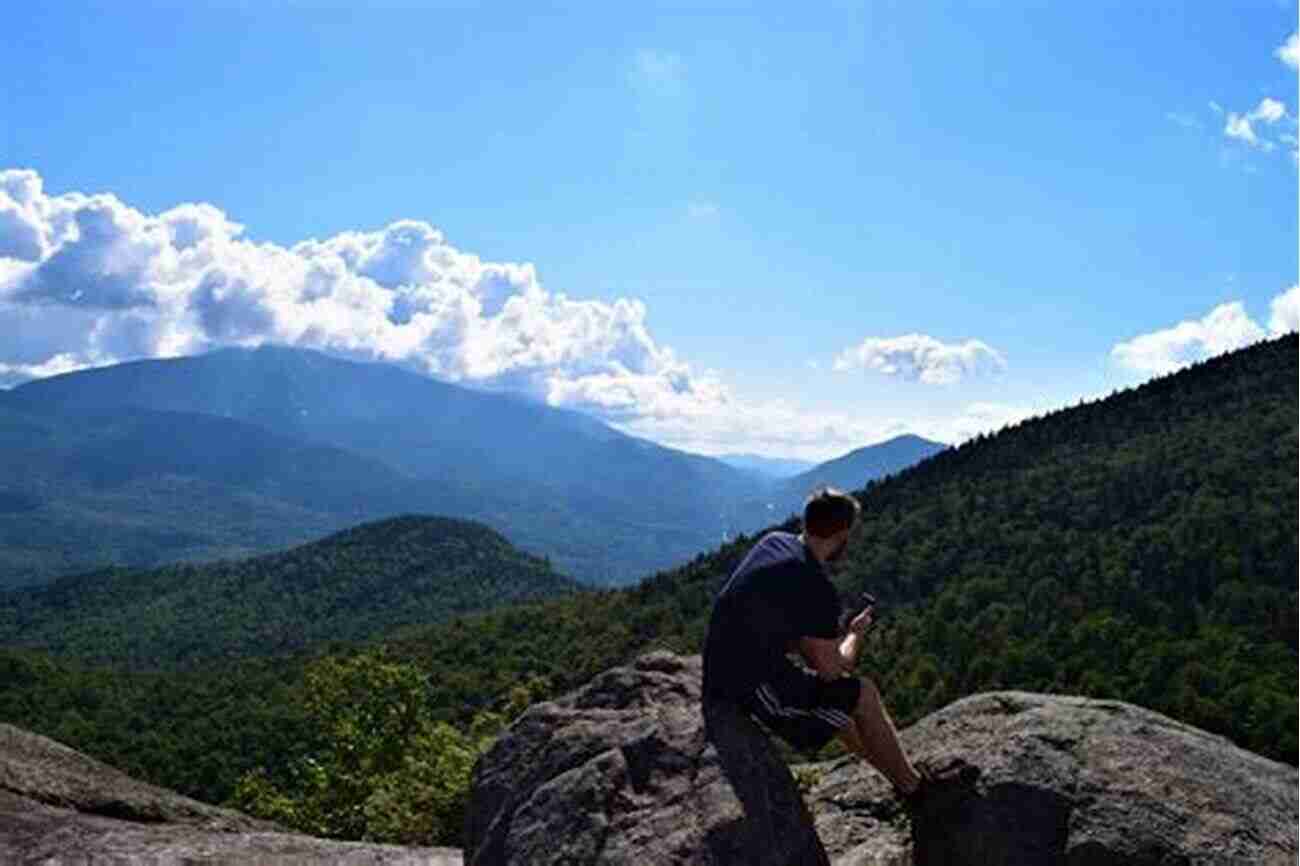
{"x":862,"y":601}
{"x":866,"y":600}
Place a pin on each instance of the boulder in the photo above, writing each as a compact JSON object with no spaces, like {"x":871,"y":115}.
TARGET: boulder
{"x":59,"y":807}
{"x":1066,"y":780}
{"x":621,"y":772}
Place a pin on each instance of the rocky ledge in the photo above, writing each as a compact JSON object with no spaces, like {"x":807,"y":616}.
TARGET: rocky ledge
{"x":621,"y":772}
{"x":61,"y":808}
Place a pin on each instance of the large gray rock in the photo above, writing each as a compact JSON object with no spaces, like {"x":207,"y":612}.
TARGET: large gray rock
{"x":620,"y":772}
{"x":1067,"y":781}
{"x":61,"y":808}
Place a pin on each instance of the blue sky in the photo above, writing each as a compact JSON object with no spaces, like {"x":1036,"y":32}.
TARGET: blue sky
{"x":792,"y":230}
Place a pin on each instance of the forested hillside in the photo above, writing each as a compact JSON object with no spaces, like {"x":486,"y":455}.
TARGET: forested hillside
{"x":556,"y":482}
{"x":1142,"y":547}
{"x":80,"y":489}
{"x":352,"y":586}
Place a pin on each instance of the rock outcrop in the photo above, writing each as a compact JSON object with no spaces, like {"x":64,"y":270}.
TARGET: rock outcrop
{"x":61,"y":808}
{"x":620,"y":772}
{"x":1068,"y":780}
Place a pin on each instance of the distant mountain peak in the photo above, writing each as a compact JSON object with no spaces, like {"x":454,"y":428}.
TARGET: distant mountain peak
{"x":857,"y":468}
{"x":543,"y":475}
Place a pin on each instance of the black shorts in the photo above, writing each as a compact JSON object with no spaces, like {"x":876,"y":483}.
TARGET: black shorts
{"x":803,"y":709}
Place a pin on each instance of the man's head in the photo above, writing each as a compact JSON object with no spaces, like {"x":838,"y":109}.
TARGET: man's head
{"x":828,"y":517}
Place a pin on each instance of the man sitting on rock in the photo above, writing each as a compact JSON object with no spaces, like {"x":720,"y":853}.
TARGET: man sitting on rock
{"x":780,"y":599}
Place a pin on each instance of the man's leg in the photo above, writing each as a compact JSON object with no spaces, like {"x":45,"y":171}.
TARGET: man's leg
{"x":873,"y":736}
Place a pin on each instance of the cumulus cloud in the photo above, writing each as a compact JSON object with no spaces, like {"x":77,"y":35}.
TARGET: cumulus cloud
{"x":21,"y":221}
{"x":1226,"y":328}
{"x":12,"y":374}
{"x":105,"y":264}
{"x":1269,"y":110}
{"x":776,"y":428}
{"x":1289,"y":51}
{"x":1239,"y":127}
{"x":921,"y":358}
{"x":781,"y":429}
{"x":1242,"y":126}
{"x":1285,"y":310}
{"x":88,"y":280}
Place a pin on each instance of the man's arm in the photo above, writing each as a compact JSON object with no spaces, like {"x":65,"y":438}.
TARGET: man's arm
{"x":832,"y":658}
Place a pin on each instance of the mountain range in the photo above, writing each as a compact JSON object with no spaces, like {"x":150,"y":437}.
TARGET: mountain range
{"x":1139,"y":548}
{"x":243,"y":451}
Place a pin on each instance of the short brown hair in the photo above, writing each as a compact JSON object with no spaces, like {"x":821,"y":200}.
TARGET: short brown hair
{"x":828,"y":511}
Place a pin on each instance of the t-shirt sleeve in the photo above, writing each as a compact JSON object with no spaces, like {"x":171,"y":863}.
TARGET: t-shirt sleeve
{"x":819,"y":613}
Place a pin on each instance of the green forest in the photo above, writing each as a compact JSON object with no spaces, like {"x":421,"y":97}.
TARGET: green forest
{"x":354,"y":585}
{"x":1140,"y":548}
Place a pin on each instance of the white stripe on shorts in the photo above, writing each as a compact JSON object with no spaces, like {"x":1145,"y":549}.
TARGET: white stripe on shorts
{"x":834,"y":718}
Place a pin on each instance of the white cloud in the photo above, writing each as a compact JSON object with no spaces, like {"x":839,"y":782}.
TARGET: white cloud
{"x":780,"y":429}
{"x":776,"y":428}
{"x":1186,"y":121}
{"x":1240,"y":128}
{"x":1269,"y":110}
{"x":1226,"y":328}
{"x":21,"y":221}
{"x":87,"y":280}
{"x":918,"y":357}
{"x":977,"y":418}
{"x":1285,"y":310}
{"x":13,"y":374}
{"x":1289,"y":51}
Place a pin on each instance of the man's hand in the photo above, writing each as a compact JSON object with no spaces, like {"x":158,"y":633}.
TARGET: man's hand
{"x":862,"y":622}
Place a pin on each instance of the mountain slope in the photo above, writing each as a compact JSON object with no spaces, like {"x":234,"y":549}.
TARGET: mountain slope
{"x":1143,"y":548}
{"x":353,"y":585}
{"x":79,"y":489}
{"x":1140,"y":548}
{"x":854,"y":470}
{"x":786,"y":496}
{"x":605,"y":506}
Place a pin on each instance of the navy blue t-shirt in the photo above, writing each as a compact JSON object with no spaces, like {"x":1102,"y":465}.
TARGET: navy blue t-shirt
{"x":778,"y":594}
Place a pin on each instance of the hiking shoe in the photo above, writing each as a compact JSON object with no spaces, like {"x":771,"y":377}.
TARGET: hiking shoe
{"x":942,"y":787}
